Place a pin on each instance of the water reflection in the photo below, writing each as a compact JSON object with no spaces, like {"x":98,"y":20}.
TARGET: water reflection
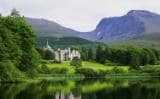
{"x":88,"y":89}
{"x":61,"y":95}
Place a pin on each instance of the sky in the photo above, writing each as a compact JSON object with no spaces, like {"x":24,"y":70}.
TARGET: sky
{"x":81,"y":15}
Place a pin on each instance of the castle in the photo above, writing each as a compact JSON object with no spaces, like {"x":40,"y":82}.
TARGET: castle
{"x":63,"y":54}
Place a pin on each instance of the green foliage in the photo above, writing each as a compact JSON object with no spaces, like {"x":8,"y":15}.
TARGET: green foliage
{"x":15,"y":13}
{"x":48,"y":55}
{"x":9,"y":72}
{"x":90,"y":55}
{"x":118,"y":70}
{"x":87,"y":72}
{"x":57,"y":62}
{"x":17,"y":43}
{"x":84,"y":54}
{"x":100,"y":54}
{"x":44,"y":69}
{"x":64,"y":42}
{"x":58,"y":71}
{"x":76,"y":62}
{"x":130,"y":55}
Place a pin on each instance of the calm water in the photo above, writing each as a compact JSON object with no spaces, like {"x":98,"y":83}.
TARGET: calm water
{"x":86,"y":89}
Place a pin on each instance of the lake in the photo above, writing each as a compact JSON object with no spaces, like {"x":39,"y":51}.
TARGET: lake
{"x":83,"y":89}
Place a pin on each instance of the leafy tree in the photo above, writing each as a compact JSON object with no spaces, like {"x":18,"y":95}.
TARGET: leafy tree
{"x":17,"y":43}
{"x":76,"y":62}
{"x":48,"y":55}
{"x":133,"y":56}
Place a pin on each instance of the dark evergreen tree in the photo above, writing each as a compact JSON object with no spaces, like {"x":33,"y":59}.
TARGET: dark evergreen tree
{"x":84,"y":54}
{"x":153,"y":59}
{"x":48,"y":55}
{"x":15,"y":13}
{"x":90,"y":55}
{"x":145,"y":57}
{"x":100,"y":54}
{"x":134,"y":60}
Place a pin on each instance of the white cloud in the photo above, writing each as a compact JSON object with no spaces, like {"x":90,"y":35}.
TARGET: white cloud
{"x":81,"y":15}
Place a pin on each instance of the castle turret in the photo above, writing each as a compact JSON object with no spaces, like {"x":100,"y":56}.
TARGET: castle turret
{"x":48,"y":47}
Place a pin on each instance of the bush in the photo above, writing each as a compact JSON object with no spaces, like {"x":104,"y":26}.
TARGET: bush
{"x":44,"y":69}
{"x":118,"y":70}
{"x":87,"y":72}
{"x":108,"y":63}
{"x":58,"y":71}
{"x":76,"y":62}
{"x":8,"y":72}
{"x":57,"y":62}
{"x":45,"y":62}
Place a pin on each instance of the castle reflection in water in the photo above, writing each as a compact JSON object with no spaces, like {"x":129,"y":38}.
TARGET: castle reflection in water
{"x":61,"y":95}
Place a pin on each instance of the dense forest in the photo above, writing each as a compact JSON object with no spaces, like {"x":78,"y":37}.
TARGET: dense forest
{"x":129,"y":56}
{"x":17,"y":47}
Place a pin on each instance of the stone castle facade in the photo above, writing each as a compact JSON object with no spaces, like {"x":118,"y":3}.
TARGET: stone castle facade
{"x":63,"y":54}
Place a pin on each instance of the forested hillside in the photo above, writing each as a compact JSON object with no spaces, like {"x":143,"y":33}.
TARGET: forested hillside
{"x":64,"y":42}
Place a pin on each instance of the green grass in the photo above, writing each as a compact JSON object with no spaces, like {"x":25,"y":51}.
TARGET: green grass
{"x":97,"y":66}
{"x":111,"y":71}
{"x":92,"y":65}
{"x":64,"y":64}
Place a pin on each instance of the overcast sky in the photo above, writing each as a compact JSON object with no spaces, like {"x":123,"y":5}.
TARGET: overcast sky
{"x":82,"y":15}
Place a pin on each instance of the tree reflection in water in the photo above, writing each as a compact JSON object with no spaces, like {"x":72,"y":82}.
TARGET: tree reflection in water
{"x":88,"y":89}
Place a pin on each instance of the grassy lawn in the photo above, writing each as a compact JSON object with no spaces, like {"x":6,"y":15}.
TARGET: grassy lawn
{"x":92,"y":65}
{"x":97,"y":66}
{"x":64,"y":64}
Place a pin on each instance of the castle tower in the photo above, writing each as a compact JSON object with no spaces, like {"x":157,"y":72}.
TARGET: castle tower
{"x":48,"y":47}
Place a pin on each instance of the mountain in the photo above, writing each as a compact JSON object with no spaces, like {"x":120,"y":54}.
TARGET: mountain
{"x":135,"y":22}
{"x":57,"y":35}
{"x":135,"y":25}
{"x":44,"y":27}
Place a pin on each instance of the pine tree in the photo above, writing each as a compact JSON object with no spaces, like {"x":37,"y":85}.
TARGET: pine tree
{"x":90,"y":55}
{"x":15,"y":13}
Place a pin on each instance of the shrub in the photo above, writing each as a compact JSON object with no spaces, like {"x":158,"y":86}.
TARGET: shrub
{"x":57,"y":62}
{"x":76,"y":62}
{"x":8,"y":72}
{"x":108,"y":63}
{"x":118,"y":70}
{"x":88,"y":72}
{"x":58,"y":71}
{"x":45,"y":62}
{"x":44,"y":69}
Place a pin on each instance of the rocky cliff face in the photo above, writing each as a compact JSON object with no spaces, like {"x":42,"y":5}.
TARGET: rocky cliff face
{"x":125,"y":27}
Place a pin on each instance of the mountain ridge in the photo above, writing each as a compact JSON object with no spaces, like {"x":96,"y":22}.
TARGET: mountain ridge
{"x":126,"y":27}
